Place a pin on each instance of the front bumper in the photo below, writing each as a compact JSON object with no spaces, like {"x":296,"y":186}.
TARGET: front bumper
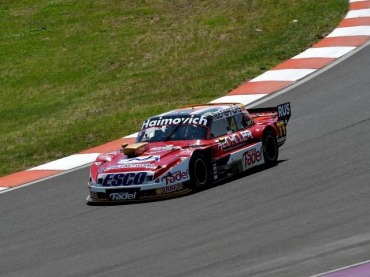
{"x":132,"y":194}
{"x":173,"y":182}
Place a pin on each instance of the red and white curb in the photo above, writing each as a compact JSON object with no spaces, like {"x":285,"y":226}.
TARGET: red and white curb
{"x":352,"y":32}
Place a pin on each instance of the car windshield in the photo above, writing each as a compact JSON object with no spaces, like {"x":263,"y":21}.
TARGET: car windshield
{"x":172,"y":132}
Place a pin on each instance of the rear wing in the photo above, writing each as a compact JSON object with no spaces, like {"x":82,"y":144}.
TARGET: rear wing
{"x":283,"y":112}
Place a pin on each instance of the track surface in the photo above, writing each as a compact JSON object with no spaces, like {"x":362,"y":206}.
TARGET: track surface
{"x":307,"y":215}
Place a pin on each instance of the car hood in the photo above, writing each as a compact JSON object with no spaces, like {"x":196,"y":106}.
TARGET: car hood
{"x":155,"y":157}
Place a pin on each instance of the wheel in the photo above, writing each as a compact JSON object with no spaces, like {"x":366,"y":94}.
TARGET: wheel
{"x":200,"y":172}
{"x":270,"y":148}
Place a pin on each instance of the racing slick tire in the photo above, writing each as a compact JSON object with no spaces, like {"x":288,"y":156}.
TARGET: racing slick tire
{"x":200,"y":172}
{"x":270,"y":148}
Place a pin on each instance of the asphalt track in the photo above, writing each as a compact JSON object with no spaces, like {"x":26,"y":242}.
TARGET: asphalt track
{"x":308,"y":215}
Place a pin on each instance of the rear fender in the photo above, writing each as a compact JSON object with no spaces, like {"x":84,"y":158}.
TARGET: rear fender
{"x":262,"y":129}
{"x":276,"y":119}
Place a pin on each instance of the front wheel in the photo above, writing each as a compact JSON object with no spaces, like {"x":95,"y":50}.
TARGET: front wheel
{"x":200,"y":172}
{"x":270,"y":148}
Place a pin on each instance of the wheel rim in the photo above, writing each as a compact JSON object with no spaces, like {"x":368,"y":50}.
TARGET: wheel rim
{"x":270,"y":148}
{"x":200,"y":172}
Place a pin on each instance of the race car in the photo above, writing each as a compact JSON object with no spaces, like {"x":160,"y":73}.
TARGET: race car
{"x":190,"y":148}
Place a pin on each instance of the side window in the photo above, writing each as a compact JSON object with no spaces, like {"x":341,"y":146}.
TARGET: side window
{"x":219,"y":127}
{"x":232,"y":123}
{"x":243,"y":120}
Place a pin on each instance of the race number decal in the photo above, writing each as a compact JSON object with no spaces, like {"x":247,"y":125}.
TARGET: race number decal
{"x":281,"y":128}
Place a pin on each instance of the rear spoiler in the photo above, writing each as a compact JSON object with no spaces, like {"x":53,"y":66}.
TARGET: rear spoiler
{"x":283,"y":111}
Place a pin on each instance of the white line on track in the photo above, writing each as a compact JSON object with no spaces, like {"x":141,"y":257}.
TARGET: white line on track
{"x":340,"y":269}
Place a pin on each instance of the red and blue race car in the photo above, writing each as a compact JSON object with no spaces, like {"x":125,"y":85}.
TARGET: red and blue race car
{"x":189,"y":148}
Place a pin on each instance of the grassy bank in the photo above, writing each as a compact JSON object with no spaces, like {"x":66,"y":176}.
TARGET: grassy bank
{"x":76,"y":74}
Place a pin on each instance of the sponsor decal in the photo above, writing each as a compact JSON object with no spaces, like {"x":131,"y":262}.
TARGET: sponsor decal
{"x":174,"y":121}
{"x":129,"y":165}
{"x":234,"y":140}
{"x":124,"y":179}
{"x":141,"y":159}
{"x":122,"y":196}
{"x":225,"y":113}
{"x":252,"y":157}
{"x":215,"y":173}
{"x":177,"y":176}
{"x":284,"y":110}
{"x":169,"y":189}
{"x":164,"y":148}
{"x":264,"y":114}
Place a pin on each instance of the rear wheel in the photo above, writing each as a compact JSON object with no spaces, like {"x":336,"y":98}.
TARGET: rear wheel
{"x":200,"y":172}
{"x":270,"y":148}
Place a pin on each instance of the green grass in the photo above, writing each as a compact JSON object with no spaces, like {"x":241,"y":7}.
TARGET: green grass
{"x":76,"y":74}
